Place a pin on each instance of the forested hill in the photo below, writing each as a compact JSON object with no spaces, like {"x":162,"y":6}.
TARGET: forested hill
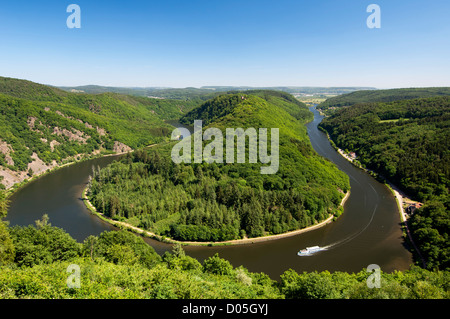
{"x":222,"y":105}
{"x":407,"y":142}
{"x":31,"y":90}
{"x":390,"y":95}
{"x":42,"y":126}
{"x":217,"y":202}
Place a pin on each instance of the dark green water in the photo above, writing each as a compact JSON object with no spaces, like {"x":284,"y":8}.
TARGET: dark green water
{"x":367,"y":233}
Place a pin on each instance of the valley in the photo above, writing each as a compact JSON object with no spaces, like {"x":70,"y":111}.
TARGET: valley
{"x":58,"y":195}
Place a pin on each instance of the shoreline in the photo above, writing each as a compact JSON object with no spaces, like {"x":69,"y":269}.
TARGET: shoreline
{"x":14,"y":188}
{"x":17,"y":186}
{"x":243,"y":241}
{"x":399,"y":196}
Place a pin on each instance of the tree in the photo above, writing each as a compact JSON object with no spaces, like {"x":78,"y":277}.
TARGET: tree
{"x":43,"y":222}
{"x":42,"y":245}
{"x":88,"y":246}
{"x":178,"y":250}
{"x":101,"y":247}
{"x":7,"y":250}
{"x":308,"y":285}
{"x":4,"y":204}
{"x":243,"y":277}
{"x":217,"y":265}
{"x":121,"y":254}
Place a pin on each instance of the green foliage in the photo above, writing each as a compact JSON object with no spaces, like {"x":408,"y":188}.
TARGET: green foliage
{"x":225,"y":104}
{"x":118,"y":264}
{"x":42,"y":245}
{"x":407,"y":143}
{"x":218,"y":202}
{"x":431,"y":228}
{"x":286,"y":102}
{"x":179,"y":260}
{"x":7,"y":250}
{"x":412,"y":284}
{"x":217,"y":265}
{"x":366,"y":96}
{"x":4,"y":203}
{"x":57,"y":125}
{"x":120,"y":247}
{"x":308,"y":286}
{"x":411,"y":152}
{"x":213,"y":109}
{"x":117,"y":271}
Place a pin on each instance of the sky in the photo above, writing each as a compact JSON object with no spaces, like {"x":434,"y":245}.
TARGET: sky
{"x":193,"y":43}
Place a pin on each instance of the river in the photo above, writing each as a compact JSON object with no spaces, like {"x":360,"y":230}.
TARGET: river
{"x":367,"y":233}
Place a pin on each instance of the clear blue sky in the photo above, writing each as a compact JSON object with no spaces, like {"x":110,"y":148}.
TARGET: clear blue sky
{"x":227,"y":42}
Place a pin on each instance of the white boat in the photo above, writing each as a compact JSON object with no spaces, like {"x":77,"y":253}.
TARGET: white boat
{"x":309,"y":251}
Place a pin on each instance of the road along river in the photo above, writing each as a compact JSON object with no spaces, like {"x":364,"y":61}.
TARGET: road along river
{"x":368,"y":232}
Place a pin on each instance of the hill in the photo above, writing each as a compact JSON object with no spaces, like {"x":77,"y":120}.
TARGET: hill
{"x":207,"y":92}
{"x":42,"y":127}
{"x":184,"y":94}
{"x":390,"y":95}
{"x":225,"y":201}
{"x":292,"y":89}
{"x":225,"y":104}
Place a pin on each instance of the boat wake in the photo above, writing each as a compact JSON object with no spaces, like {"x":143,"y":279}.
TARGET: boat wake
{"x":352,"y":237}
{"x":309,"y":251}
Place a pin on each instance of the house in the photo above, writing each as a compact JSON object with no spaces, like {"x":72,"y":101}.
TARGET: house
{"x":412,"y":208}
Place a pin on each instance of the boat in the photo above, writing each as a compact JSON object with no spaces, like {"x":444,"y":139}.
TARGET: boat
{"x":309,"y":251}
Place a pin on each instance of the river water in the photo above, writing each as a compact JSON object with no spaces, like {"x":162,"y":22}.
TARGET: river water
{"x":367,"y":233}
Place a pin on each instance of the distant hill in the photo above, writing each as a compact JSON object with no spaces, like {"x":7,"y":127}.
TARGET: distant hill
{"x":43,"y":126}
{"x":206,"y":92}
{"x":293,"y":89}
{"x":389,"y":95}
{"x":225,"y":104}
{"x":31,"y":90}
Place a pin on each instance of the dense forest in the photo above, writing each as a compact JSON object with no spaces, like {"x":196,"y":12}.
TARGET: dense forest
{"x":193,"y":201}
{"x":218,"y":201}
{"x":58,"y":126}
{"x":390,"y":95}
{"x":407,"y":143}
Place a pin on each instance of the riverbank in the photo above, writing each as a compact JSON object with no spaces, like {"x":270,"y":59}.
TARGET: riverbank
{"x":243,"y":241}
{"x":15,"y":187}
{"x":11,"y":190}
{"x":400,"y":197}
{"x":398,"y":194}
